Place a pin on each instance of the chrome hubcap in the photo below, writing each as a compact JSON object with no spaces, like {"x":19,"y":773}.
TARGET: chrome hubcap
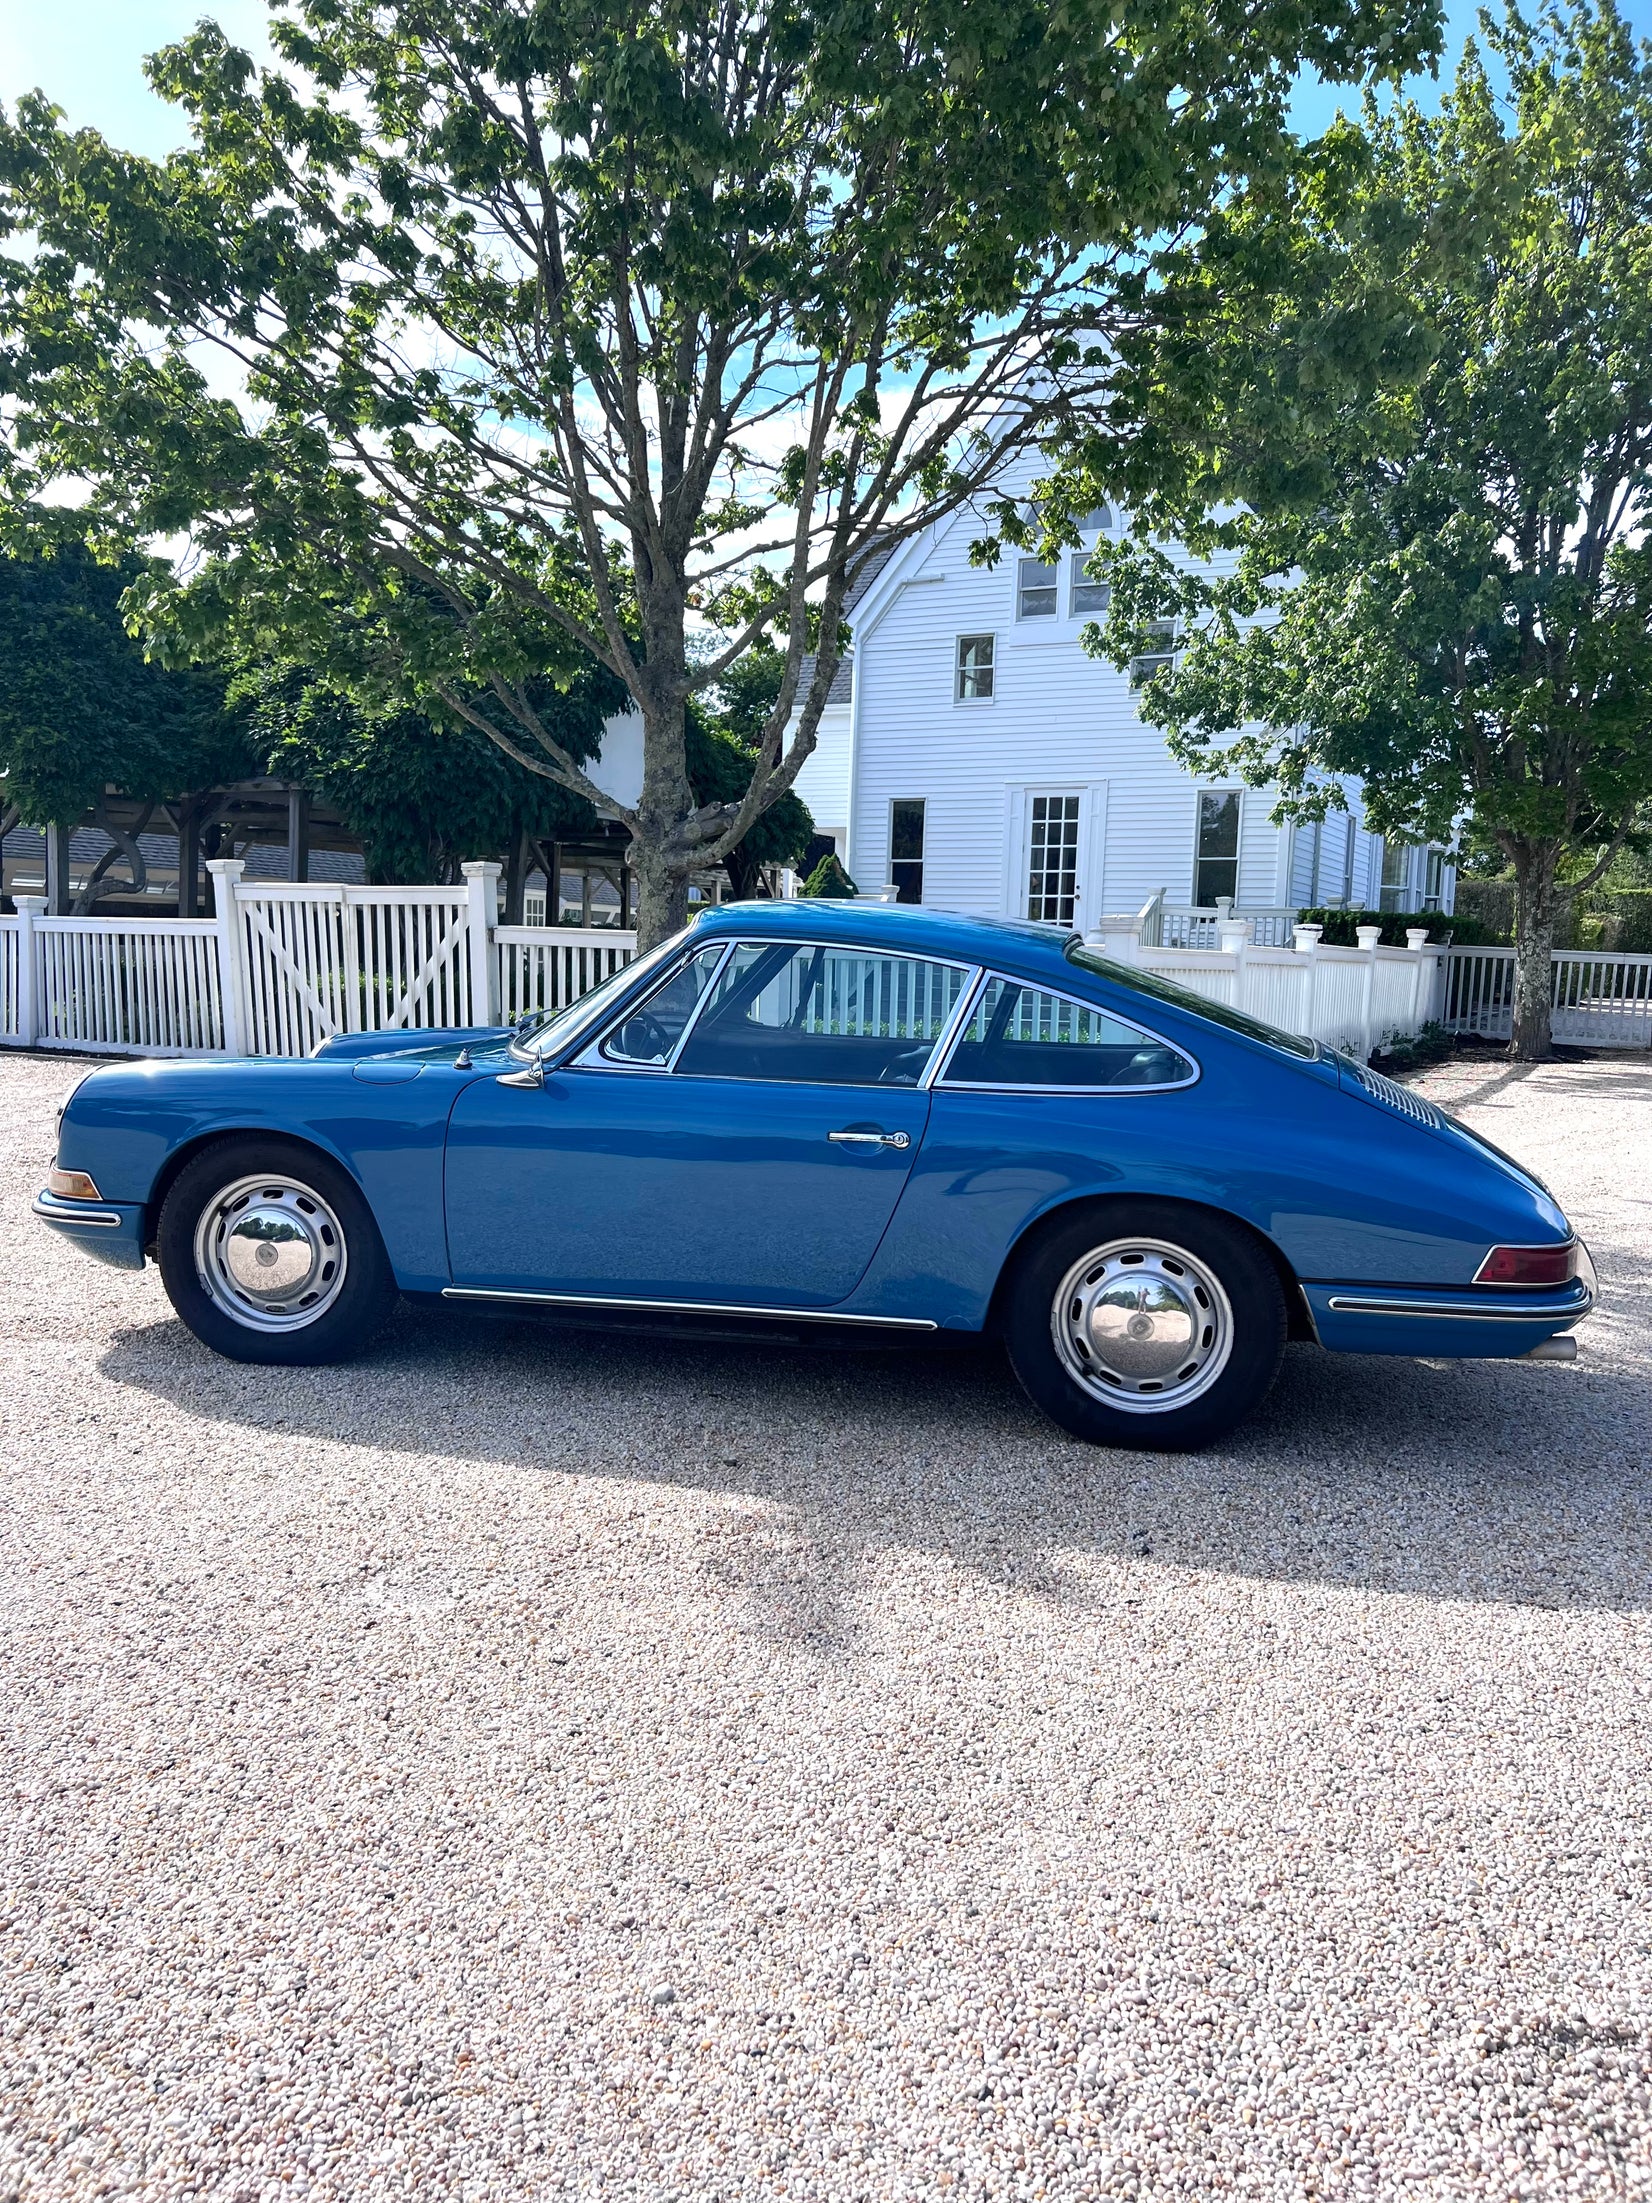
{"x":1142,"y":1325}
{"x":270,"y":1253}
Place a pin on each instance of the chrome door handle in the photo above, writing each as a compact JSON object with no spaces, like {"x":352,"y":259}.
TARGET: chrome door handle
{"x":870,"y":1139}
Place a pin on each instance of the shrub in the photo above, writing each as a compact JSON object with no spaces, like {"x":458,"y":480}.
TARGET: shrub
{"x":828,"y":880}
{"x":1340,"y":927}
{"x":1411,"y":1051}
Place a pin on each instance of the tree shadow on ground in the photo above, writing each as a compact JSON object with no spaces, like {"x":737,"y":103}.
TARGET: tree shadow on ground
{"x":1465,"y":1480}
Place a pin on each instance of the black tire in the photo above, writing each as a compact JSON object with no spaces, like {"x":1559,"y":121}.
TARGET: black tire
{"x":1201,"y":1291}
{"x":308,"y":1210}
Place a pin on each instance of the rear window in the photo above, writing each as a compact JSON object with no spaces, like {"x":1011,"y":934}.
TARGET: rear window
{"x":1024,"y":1036}
{"x":1184,"y":998}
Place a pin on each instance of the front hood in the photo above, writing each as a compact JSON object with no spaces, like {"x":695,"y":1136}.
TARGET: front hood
{"x":427,"y":1048}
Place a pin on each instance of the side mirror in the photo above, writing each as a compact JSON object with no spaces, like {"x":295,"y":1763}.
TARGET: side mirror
{"x":531,"y":1074}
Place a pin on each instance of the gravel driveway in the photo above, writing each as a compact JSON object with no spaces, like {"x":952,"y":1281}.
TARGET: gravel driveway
{"x":541,"y":1765}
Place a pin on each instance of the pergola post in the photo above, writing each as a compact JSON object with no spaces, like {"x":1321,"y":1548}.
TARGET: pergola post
{"x":298,"y":833}
{"x":57,"y":871}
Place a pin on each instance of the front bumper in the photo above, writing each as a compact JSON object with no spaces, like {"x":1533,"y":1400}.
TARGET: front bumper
{"x":111,"y":1231}
{"x":1478,"y":1322}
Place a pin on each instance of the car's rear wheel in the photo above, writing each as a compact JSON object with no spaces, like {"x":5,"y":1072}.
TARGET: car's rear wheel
{"x":270,"y":1254}
{"x":1145,"y":1324}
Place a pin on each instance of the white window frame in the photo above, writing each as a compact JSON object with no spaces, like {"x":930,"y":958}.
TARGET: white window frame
{"x":1143,"y":668}
{"x":1050,"y":588}
{"x":984,"y":635}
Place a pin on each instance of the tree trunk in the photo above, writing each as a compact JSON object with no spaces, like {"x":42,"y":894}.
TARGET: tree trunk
{"x":1534,"y":924}
{"x":666,"y":803}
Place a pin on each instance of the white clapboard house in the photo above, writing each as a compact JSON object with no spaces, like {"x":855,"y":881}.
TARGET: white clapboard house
{"x":974,"y":757}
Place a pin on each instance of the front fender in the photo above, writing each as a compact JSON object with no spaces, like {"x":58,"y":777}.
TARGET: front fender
{"x":132,"y":1125}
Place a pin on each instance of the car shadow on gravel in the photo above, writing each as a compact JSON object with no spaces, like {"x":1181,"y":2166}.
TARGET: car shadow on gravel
{"x":1459,"y":1480}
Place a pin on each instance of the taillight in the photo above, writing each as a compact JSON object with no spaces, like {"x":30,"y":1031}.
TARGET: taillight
{"x":1528,"y":1265}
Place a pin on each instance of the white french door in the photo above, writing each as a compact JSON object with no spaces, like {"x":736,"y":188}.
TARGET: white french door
{"x":1055,"y":855}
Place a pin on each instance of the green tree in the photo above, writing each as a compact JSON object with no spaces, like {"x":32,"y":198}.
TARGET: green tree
{"x":422,"y":796}
{"x":83,"y":712}
{"x":1403,"y":409}
{"x":577,"y":322}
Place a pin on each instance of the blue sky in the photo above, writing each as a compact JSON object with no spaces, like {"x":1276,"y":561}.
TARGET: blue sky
{"x":87,"y":56}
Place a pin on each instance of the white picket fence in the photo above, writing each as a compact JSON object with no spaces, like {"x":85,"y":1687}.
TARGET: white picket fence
{"x":1595,"y":1000}
{"x":283,"y":967}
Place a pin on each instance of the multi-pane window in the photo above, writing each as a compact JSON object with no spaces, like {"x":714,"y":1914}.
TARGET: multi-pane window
{"x":1434,"y":879}
{"x":1158,"y":657}
{"x":1087,"y":596}
{"x":1396,"y":867}
{"x":1216,"y":865}
{"x":1052,"y":859}
{"x":822,"y":1016}
{"x":975,"y":668}
{"x":1035,"y":590}
{"x":906,"y":848}
{"x":1024,"y":1036}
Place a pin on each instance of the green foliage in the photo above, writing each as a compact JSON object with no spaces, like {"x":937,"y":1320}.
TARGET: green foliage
{"x":829,"y":881}
{"x":558,"y":323}
{"x":1341,"y":927}
{"x":1414,"y":1051}
{"x":81,"y":710}
{"x":423,"y":797}
{"x":1402,"y":404}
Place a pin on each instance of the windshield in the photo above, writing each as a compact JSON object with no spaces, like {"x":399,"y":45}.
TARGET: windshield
{"x":558,"y":1026}
{"x":1184,"y":998}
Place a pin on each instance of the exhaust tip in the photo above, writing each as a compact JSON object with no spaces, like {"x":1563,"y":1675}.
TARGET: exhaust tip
{"x":1560,"y":1349}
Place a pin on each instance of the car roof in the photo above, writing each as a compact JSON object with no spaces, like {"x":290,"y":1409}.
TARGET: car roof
{"x":898,"y":928}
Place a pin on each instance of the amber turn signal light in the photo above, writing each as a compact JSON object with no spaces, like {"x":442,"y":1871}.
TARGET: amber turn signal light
{"x":72,"y":1185}
{"x":1528,"y":1265}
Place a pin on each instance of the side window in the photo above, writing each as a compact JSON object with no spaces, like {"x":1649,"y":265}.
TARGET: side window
{"x":650,"y":1029}
{"x":1216,"y":866}
{"x":1022,"y":1036}
{"x":822,"y":1016}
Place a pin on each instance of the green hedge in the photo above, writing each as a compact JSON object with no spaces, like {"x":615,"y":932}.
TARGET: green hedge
{"x":1617,"y":918}
{"x":1340,"y":927}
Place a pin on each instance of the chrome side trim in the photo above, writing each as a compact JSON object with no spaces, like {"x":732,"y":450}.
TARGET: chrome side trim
{"x":51,"y":1210}
{"x":687,"y":1307}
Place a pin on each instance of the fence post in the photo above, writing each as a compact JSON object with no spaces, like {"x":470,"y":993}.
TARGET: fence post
{"x":1305,"y":941}
{"x":482,"y":888}
{"x":28,"y":908}
{"x":1368,"y":937}
{"x":1231,"y":936}
{"x":1416,"y":940}
{"x":232,"y":991}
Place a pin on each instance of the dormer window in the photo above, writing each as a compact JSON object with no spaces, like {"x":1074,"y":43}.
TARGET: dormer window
{"x":1036,"y":590}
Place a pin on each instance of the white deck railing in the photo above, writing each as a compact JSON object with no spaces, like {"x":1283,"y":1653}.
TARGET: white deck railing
{"x":1595,"y":1000}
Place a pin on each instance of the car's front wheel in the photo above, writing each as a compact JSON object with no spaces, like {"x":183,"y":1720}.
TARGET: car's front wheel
{"x":270,"y":1254}
{"x":1145,"y":1324}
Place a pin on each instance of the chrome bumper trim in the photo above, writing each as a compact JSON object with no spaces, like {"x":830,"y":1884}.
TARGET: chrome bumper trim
{"x":1573,"y":1310}
{"x":51,"y":1210}
{"x":686,"y":1307}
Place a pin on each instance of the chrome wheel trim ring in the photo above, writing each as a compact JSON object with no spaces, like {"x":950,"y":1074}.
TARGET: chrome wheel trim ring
{"x":1142,"y":1325}
{"x":270,"y":1253}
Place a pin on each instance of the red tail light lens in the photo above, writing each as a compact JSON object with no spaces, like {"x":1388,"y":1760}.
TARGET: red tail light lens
{"x":1528,"y":1265}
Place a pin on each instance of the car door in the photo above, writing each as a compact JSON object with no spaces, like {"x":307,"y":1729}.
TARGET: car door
{"x":740,"y":1137}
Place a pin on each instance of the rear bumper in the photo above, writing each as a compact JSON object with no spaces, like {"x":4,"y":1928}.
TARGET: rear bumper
{"x":1469,"y":1321}
{"x":110,"y":1231}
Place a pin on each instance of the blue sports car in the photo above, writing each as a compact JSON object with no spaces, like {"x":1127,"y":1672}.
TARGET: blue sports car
{"x":884,"y":1120}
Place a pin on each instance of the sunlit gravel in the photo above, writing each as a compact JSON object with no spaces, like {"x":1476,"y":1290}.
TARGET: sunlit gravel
{"x":536,"y":1764}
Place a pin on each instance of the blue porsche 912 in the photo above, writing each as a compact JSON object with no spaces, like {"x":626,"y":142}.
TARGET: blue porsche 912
{"x":884,"y":1120}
